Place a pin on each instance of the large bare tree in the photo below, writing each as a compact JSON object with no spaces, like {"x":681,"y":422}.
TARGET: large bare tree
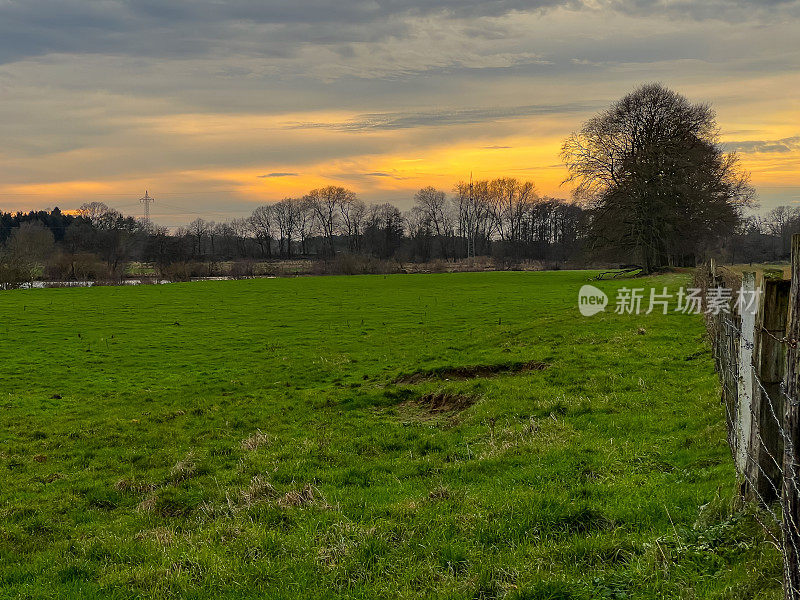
{"x":660,"y":187}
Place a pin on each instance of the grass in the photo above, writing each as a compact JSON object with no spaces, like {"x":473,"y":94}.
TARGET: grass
{"x":410,"y":436}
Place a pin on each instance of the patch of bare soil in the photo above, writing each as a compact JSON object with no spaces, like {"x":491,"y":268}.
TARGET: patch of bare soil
{"x":472,"y":372}
{"x":444,"y":402}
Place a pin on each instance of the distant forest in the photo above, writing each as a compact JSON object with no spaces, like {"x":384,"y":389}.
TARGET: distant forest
{"x":503,"y":219}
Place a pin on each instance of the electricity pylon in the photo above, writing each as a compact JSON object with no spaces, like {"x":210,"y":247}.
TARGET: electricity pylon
{"x":147,"y":201}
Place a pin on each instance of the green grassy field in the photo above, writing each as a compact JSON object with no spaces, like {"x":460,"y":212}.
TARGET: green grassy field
{"x":328,"y":438}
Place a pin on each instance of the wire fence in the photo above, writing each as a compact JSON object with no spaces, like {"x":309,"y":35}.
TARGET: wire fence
{"x":754,"y":358}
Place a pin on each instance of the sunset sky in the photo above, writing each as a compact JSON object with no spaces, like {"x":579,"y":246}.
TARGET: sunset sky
{"x":216,"y":107}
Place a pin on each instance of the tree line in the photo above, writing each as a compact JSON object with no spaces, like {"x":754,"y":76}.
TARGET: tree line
{"x":504,"y":218}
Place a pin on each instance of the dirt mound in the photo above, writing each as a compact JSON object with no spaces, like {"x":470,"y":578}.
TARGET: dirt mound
{"x":472,"y":372}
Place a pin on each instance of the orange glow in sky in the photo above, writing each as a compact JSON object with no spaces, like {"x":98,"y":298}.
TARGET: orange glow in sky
{"x":383,"y":102}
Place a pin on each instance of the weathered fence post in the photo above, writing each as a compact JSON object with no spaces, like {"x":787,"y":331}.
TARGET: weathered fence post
{"x":766,"y":444}
{"x":727,"y":355}
{"x":748,"y":308}
{"x":791,"y":426}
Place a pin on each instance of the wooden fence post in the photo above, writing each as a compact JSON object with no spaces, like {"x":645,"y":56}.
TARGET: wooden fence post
{"x":791,"y":427}
{"x":727,"y":352}
{"x":748,"y":308}
{"x":763,"y":473}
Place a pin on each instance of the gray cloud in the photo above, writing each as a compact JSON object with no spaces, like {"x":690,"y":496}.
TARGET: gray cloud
{"x":706,"y":9}
{"x":781,"y":146}
{"x":269,"y":175}
{"x":252,"y":27}
{"x":275,"y":28}
{"x":466,"y":116}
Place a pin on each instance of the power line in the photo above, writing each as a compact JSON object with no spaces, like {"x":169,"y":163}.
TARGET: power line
{"x":84,"y":194}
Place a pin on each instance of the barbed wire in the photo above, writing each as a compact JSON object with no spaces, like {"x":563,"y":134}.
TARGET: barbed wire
{"x":792,"y":343}
{"x":727,"y":341}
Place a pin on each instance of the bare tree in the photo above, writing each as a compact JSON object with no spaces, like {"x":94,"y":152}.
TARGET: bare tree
{"x":199,"y":230}
{"x":510,"y":203}
{"x":114,"y":236}
{"x":659,"y":185}
{"x":99,"y":214}
{"x":305,"y":223}
{"x":384,"y":230}
{"x":473,"y":206}
{"x":224,"y":241}
{"x":240,"y":230}
{"x":261,"y":225}
{"x":353,"y":213}
{"x":28,"y":247}
{"x":31,"y":242}
{"x":781,"y":222}
{"x":421,"y":232}
{"x":285,"y":213}
{"x":326,"y":203}
{"x":159,"y":248}
{"x":433,"y":209}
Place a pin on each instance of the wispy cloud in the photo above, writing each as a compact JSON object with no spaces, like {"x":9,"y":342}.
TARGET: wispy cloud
{"x":268,"y":175}
{"x":444,"y":117}
{"x":789,"y":144}
{"x":356,"y":176}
